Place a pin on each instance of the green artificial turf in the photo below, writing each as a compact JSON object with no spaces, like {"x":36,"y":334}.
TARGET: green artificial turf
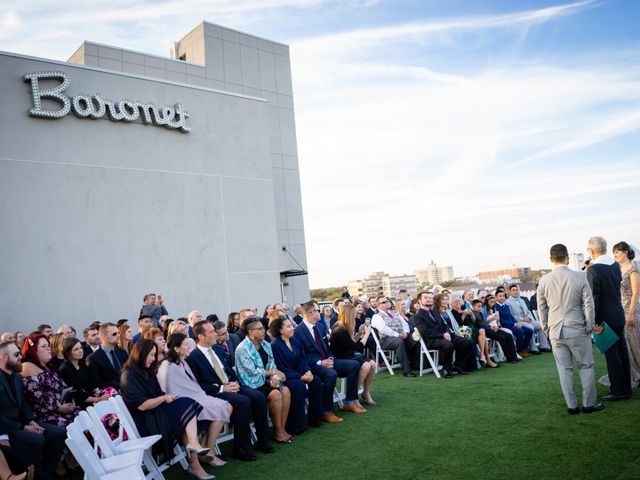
{"x":506,"y":423}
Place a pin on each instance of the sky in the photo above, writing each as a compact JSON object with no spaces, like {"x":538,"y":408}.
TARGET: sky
{"x":475,"y":134}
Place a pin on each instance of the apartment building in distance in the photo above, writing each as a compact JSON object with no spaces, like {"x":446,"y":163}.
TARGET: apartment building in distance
{"x":432,"y":274}
{"x":504,"y":274}
{"x":381,"y":283}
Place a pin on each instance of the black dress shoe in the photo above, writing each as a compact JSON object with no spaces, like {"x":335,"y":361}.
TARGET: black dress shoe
{"x":264,"y":447}
{"x":243,"y":455}
{"x":613,"y":398}
{"x":460,"y":371}
{"x":534,"y":352}
{"x":546,"y":350}
{"x":409,"y":374}
{"x":593,"y":408}
{"x":447,"y":374}
{"x":574,"y":411}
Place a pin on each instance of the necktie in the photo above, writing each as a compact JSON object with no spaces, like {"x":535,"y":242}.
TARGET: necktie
{"x":218,"y":368}
{"x":114,"y":360}
{"x":226,"y":347}
{"x":318,"y":340}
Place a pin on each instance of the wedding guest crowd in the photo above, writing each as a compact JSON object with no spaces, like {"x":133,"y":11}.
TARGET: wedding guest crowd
{"x":187,"y":376}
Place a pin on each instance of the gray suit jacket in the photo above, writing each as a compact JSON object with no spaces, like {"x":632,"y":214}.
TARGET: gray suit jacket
{"x":565,"y":304}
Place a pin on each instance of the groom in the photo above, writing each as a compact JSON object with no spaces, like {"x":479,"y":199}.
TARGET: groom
{"x":604,"y":278}
{"x":566,"y":313}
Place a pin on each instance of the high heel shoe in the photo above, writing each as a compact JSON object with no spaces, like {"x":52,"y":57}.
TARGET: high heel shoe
{"x":200,"y":477}
{"x":198,"y":450}
{"x":367,"y":402}
{"x":216,"y":462}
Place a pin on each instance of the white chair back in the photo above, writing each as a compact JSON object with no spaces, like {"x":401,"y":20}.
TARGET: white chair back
{"x":382,"y":353}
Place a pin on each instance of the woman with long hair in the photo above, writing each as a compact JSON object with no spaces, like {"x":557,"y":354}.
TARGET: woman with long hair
{"x":42,"y":386}
{"x":75,"y":374}
{"x":349,"y":345}
{"x":175,"y":377}
{"x":125,"y":337}
{"x":56,"y":341}
{"x":155,"y":412}
{"x":233,"y":322}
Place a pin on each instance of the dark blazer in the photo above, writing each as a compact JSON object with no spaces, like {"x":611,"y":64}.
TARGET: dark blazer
{"x":309,"y":347}
{"x":290,"y":362}
{"x":506,"y":317}
{"x":15,"y":413}
{"x":604,"y":281}
{"x":101,"y":373}
{"x":78,"y":379}
{"x":206,"y":375}
{"x":370,"y":312}
{"x":86,"y":349}
{"x":297,"y":319}
{"x":428,"y":326}
{"x":232,"y":344}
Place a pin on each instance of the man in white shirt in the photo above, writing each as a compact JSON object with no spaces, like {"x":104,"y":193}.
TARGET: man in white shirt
{"x":521,"y":312}
{"x":394,"y":334}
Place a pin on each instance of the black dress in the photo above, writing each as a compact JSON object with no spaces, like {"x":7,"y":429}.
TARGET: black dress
{"x":79,"y":380}
{"x":168,"y":419}
{"x":342,"y":345}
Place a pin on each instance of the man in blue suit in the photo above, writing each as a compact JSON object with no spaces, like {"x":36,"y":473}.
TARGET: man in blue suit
{"x":218,"y":380}
{"x":312,"y":335}
{"x":520,"y":332}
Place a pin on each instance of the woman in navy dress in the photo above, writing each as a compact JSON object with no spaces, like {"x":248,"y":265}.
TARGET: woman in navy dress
{"x":289,"y":358}
{"x":156,"y":412}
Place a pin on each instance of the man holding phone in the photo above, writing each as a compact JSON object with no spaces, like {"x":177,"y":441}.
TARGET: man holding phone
{"x":394,"y":334}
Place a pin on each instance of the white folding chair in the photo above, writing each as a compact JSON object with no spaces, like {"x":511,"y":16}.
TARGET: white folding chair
{"x":433,"y":360}
{"x":379,"y":351}
{"x":134,"y":441}
{"x":126,"y":465}
{"x":340,"y":394}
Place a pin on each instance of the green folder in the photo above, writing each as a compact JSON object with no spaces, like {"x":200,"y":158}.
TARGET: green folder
{"x":606,"y":338}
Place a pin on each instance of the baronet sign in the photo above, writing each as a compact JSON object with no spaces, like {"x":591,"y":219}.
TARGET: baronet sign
{"x":86,"y":106}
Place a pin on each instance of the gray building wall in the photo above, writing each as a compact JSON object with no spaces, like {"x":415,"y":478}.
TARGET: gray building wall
{"x":96,"y":213}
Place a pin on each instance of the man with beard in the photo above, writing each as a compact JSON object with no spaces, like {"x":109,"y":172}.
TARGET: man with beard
{"x":39,"y":444}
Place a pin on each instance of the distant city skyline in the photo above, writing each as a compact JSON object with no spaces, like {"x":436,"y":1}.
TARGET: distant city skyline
{"x":474,"y":133}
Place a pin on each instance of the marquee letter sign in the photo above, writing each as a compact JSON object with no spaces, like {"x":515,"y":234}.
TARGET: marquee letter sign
{"x":86,"y":106}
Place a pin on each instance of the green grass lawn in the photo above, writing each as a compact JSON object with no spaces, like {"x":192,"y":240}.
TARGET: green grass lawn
{"x":507,"y":423}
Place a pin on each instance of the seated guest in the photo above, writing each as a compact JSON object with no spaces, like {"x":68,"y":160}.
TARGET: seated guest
{"x":55,"y":341}
{"x":289,"y":358}
{"x":345,"y":346}
{"x":40,"y":444}
{"x":490,"y":323}
{"x":91,"y":340}
{"x":42,"y":386}
{"x":19,"y":338}
{"x":226,"y":344}
{"x":361,"y":319}
{"x":67,"y":331}
{"x":156,"y":336}
{"x":297,"y":317}
{"x":155,"y":412}
{"x":521,"y":333}
{"x":181,"y":326}
{"x":75,"y":374}
{"x":45,"y":329}
{"x":478,"y":333}
{"x":125,"y":338}
{"x":233,"y":322}
{"x":437,"y":335}
{"x":325,"y":316}
{"x":522,"y":313}
{"x":242,"y":315}
{"x":394,"y":334}
{"x":8,"y":337}
{"x":257,"y":370}
{"x":219,"y":380}
{"x":144,"y":322}
{"x":312,"y":335}
{"x":105,"y":363}
{"x":336,"y":306}
{"x":460,"y":313}
{"x":176,"y":378}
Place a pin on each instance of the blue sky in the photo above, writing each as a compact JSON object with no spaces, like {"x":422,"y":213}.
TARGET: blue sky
{"x":472,"y":133}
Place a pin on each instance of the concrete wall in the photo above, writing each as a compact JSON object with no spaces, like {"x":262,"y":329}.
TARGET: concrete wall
{"x":94,"y":213}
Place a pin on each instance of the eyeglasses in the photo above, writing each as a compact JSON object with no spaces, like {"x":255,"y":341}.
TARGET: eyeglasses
{"x":257,"y":328}
{"x":46,"y":346}
{"x":114,"y":334}
{"x":316,"y":310}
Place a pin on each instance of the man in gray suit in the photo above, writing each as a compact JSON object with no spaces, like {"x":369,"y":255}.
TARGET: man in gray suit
{"x":566,"y":309}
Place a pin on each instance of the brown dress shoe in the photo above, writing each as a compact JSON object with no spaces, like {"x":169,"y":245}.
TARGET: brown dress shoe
{"x":353,"y":408}
{"x":331,"y":417}
{"x":523,"y":354}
